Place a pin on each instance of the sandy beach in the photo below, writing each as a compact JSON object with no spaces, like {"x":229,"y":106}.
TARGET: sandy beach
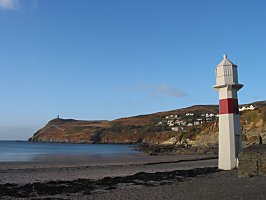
{"x":125,"y":177}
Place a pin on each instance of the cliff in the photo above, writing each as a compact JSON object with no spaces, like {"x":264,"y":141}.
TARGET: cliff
{"x":196,"y":125}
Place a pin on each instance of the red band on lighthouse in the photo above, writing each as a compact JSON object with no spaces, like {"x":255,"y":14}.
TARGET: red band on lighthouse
{"x":228,"y":106}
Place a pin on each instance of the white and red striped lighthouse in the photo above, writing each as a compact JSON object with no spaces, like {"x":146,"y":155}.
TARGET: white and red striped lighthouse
{"x":230,"y":136}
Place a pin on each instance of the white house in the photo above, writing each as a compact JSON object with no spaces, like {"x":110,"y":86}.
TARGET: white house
{"x":171,"y":123}
{"x":175,"y":129}
{"x":251,"y":107}
{"x":160,"y":123}
{"x":178,"y":122}
{"x":196,"y":123}
{"x":183,"y":123}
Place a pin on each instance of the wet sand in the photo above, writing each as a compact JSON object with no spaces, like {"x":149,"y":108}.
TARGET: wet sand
{"x":67,"y":168}
{"x":125,"y":177}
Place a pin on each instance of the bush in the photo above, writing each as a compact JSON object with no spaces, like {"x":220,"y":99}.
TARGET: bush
{"x":263,"y":113}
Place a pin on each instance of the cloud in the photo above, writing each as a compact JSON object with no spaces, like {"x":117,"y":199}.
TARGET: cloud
{"x":9,"y":4}
{"x":141,"y":86}
{"x":169,"y":91}
{"x":159,"y":91}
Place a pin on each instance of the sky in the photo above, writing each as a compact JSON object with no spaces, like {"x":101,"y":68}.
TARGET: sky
{"x":107,"y":59}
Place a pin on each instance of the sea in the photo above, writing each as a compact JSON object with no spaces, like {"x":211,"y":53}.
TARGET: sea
{"x":23,"y":151}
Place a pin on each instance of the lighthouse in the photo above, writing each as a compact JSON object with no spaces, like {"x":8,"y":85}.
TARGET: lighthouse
{"x":230,"y":136}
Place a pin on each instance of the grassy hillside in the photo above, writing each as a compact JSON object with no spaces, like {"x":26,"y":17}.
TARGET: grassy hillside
{"x":197,"y":125}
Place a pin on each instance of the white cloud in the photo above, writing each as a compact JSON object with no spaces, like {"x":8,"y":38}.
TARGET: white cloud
{"x":9,"y":4}
{"x":169,"y":91}
{"x":160,"y":90}
{"x":141,"y":86}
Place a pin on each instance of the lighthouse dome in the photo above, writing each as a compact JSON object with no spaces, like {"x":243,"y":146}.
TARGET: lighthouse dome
{"x":226,"y":62}
{"x":226,"y":73}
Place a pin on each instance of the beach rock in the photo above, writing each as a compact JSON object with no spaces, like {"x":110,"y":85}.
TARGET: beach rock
{"x":40,"y":190}
{"x":252,"y":161}
{"x":180,"y":149}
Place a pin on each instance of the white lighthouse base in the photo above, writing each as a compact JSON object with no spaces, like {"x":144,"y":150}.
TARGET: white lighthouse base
{"x":228,"y":141}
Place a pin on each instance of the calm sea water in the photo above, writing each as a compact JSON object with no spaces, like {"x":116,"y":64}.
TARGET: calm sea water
{"x":27,"y":151}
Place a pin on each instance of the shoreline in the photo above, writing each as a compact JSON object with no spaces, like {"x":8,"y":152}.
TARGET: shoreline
{"x":71,"y":168}
{"x":88,"y":186}
{"x":126,"y":177}
{"x":61,"y":179}
{"x":155,"y":172}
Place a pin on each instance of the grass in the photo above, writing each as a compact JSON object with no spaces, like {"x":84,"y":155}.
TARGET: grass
{"x":251,"y":116}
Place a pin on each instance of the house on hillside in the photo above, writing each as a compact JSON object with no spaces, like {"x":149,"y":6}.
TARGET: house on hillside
{"x":160,"y":123}
{"x":170,"y":123}
{"x":251,"y":107}
{"x":196,"y":123}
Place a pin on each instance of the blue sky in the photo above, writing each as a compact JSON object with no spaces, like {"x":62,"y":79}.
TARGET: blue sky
{"x":108,"y":59}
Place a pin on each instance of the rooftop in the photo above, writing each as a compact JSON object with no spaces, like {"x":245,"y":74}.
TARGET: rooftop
{"x":226,"y":62}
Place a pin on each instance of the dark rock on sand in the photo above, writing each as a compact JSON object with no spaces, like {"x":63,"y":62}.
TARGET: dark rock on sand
{"x":88,"y":186}
{"x":252,"y":161}
{"x":184,"y":149}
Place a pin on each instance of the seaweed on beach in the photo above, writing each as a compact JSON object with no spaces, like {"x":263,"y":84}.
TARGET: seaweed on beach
{"x":87,"y":186}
